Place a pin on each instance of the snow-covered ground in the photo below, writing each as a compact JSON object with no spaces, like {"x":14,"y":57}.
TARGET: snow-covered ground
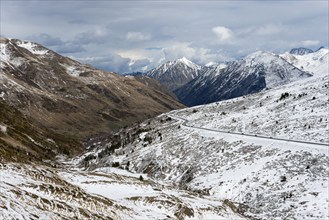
{"x":32,"y":47}
{"x":296,"y":111}
{"x":41,"y":192}
{"x":205,"y":149}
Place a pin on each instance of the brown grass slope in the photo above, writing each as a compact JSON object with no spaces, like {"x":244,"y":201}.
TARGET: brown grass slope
{"x":22,"y":140}
{"x":75,"y":99}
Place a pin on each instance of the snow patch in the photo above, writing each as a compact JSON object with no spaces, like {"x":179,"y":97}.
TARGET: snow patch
{"x":4,"y":54}
{"x":73,"y":70}
{"x":3,"y":128}
{"x":32,"y":47}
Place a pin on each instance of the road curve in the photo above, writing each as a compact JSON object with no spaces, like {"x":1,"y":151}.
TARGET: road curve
{"x":185,"y":121}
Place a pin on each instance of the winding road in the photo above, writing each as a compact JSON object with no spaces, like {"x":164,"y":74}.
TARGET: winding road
{"x":185,"y":121}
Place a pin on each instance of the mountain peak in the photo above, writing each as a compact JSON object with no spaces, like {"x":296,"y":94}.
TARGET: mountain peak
{"x":300,"y":51}
{"x":211,"y":64}
{"x":322,"y":48}
{"x":185,"y":60}
{"x":259,"y":57}
{"x":188,"y":63}
{"x":174,"y":74}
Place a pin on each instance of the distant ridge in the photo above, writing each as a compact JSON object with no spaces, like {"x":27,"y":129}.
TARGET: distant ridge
{"x":300,"y":51}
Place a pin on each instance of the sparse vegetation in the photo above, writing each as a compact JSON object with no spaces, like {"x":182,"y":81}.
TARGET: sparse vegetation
{"x":283,"y":179}
{"x":148,"y":139}
{"x":115,"y":164}
{"x":141,"y":178}
{"x":89,"y":157}
{"x":284,"y":95}
{"x":168,"y":118}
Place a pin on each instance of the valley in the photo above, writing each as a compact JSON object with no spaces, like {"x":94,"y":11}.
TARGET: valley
{"x":137,"y":153}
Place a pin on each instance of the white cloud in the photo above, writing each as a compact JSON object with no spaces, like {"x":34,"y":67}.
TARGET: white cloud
{"x":111,"y":62}
{"x":196,"y":54}
{"x":223,"y":33}
{"x":269,"y":29}
{"x":137,"y":65}
{"x":178,"y":50}
{"x":137,"y":36}
{"x":308,"y":43}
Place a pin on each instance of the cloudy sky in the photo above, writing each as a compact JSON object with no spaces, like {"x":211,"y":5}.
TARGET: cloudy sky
{"x":126,"y":36}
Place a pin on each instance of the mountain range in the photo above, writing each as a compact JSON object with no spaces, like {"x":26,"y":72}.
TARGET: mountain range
{"x":255,"y":72}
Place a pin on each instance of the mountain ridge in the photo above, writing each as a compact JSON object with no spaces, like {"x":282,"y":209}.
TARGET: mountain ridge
{"x":257,"y":71}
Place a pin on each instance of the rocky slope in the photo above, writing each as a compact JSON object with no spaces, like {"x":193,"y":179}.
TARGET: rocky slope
{"x":252,"y":74}
{"x":71,"y":98}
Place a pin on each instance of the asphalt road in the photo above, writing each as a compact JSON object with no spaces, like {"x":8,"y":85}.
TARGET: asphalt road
{"x":185,"y":121}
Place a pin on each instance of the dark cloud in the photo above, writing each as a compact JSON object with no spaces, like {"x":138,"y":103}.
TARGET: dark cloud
{"x":153,"y":48}
{"x":91,"y":37}
{"x":46,"y":40}
{"x":77,"y":21}
{"x":70,"y":48}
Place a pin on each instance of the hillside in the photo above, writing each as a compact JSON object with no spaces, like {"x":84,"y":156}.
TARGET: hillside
{"x":22,"y":140}
{"x":34,"y":192}
{"x":71,"y":98}
{"x":266,"y":154}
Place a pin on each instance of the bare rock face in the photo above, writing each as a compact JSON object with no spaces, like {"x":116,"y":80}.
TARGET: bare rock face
{"x":73,"y":98}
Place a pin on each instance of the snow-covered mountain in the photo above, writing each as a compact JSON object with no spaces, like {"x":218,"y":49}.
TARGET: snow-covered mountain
{"x":174,"y":74}
{"x":316,"y":63}
{"x":264,"y":154}
{"x":252,"y":74}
